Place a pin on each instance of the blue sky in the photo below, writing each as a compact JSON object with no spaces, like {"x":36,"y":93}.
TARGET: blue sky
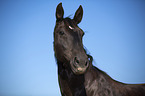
{"x":114,"y":36}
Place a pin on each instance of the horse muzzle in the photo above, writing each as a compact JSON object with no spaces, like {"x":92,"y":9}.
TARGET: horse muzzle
{"x":79,"y":65}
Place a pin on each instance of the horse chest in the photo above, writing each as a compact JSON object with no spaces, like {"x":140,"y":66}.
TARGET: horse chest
{"x":72,"y":85}
{"x":64,"y":87}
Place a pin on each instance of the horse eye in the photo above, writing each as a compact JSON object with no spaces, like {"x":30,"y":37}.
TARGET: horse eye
{"x":61,"y":32}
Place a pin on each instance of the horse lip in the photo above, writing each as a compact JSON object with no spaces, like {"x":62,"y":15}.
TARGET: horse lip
{"x":80,"y":69}
{"x":77,"y":69}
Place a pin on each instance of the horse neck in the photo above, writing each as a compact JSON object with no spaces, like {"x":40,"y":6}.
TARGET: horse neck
{"x":95,"y":76}
{"x":71,"y":81}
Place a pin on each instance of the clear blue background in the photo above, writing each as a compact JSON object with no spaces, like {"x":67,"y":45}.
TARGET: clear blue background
{"x":115,"y":37}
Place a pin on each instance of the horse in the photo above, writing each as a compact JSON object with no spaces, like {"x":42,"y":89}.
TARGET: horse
{"x":77,"y":75}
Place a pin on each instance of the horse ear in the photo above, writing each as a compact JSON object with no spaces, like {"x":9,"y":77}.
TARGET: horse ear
{"x":78,"y":15}
{"x":59,"y":12}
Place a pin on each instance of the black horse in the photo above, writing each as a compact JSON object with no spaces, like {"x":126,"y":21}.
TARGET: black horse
{"x":77,"y":76}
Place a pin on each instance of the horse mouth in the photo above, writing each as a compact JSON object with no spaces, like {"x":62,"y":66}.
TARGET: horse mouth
{"x":77,"y":69}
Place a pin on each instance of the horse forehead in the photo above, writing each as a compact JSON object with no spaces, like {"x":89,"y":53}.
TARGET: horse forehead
{"x":69,"y":22}
{"x":68,"y":25}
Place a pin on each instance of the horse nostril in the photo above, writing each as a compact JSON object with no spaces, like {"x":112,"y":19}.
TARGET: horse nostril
{"x":76,"y":60}
{"x":86,"y":63}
